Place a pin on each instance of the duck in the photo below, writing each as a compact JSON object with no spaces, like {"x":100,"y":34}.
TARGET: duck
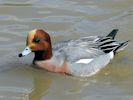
{"x":81,"y":57}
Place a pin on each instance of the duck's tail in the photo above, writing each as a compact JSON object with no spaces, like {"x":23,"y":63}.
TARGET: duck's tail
{"x":113,"y":33}
{"x":108,"y":43}
{"x":122,"y":46}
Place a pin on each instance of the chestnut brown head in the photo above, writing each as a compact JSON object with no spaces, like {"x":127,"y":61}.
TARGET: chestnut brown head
{"x":38,"y":41}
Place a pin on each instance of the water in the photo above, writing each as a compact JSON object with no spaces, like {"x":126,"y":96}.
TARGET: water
{"x":64,"y":19}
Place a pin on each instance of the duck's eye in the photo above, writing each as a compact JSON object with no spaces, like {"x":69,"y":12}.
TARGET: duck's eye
{"x":36,"y":40}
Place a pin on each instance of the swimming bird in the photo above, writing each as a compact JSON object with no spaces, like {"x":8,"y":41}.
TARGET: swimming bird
{"x":82,"y":57}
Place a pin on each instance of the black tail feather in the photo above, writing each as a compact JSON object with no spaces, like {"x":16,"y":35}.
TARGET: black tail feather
{"x":113,"y":33}
{"x":121,"y":46}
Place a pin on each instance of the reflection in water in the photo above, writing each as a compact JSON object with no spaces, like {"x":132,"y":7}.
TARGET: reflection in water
{"x":28,"y":82}
{"x":41,"y":85}
{"x":64,"y":20}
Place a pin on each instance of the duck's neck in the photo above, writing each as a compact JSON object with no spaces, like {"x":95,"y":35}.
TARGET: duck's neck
{"x":42,"y":55}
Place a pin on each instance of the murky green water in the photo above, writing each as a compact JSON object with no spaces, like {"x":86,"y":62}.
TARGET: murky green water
{"x":64,"y":19}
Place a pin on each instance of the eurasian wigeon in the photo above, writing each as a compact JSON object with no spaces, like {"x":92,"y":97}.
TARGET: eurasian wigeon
{"x":82,"y":57}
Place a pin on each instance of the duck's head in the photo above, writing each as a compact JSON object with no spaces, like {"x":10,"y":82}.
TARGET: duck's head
{"x":39,"y":42}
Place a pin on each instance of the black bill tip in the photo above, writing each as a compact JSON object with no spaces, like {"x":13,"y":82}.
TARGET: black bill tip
{"x":20,"y":55}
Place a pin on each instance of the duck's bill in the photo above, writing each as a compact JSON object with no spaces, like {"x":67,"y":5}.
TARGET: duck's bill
{"x":25,"y":52}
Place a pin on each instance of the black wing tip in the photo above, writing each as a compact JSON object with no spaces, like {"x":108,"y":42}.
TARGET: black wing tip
{"x":113,"y":33}
{"x":115,"y":29}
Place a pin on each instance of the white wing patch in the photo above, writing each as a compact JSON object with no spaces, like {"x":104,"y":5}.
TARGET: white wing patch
{"x":84,"y":61}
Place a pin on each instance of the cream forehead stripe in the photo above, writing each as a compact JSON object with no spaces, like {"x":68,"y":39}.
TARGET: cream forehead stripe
{"x":31,"y":36}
